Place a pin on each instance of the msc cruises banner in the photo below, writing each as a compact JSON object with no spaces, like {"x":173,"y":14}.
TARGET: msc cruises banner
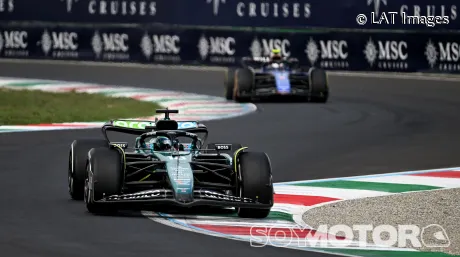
{"x":360,"y":14}
{"x":353,"y":51}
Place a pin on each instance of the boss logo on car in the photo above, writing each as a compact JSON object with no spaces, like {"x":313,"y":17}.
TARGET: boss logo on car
{"x":122,"y":145}
{"x":223,"y":147}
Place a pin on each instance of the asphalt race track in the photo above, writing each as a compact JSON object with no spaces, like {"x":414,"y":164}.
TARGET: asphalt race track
{"x":369,"y":126}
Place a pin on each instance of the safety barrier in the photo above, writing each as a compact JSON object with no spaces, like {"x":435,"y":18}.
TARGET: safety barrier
{"x":244,"y":13}
{"x":143,"y":31}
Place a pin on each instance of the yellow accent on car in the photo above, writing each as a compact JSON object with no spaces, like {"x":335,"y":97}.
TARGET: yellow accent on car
{"x":144,"y":178}
{"x":236,"y":154}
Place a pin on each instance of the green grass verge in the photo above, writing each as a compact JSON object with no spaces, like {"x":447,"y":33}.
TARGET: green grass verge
{"x":22,"y":107}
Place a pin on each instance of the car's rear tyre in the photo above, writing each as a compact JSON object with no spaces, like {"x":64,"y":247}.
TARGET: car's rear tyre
{"x":76,"y":173}
{"x":255,"y":182}
{"x":105,"y":176}
{"x":229,"y":83}
{"x":319,"y":88}
{"x":245,"y":81}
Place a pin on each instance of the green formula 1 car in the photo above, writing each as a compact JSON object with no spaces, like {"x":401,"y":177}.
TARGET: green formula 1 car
{"x":168,"y":164}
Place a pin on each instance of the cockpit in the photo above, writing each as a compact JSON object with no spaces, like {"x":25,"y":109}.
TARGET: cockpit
{"x":163,"y":143}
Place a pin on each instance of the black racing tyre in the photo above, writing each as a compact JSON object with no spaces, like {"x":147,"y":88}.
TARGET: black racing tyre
{"x":256,"y":182}
{"x":245,"y":81}
{"x":77,"y":165}
{"x":105,"y":176}
{"x":319,"y":86}
{"x":229,"y":83}
{"x":235,"y":147}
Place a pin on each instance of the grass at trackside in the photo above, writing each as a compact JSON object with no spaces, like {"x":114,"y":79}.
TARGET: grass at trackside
{"x":22,"y":107}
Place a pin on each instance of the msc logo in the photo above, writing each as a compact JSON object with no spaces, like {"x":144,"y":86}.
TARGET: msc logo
{"x":115,"y":42}
{"x":387,"y":54}
{"x":111,"y":46}
{"x":13,"y":43}
{"x":15,"y":39}
{"x":65,"y":40}
{"x":166,"y":44}
{"x":264,"y":47}
{"x":216,"y":46}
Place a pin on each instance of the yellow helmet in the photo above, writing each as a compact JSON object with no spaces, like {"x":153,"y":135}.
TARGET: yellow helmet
{"x":275,"y":55}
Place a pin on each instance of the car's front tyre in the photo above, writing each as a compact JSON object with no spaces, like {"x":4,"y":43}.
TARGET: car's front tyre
{"x":255,"y":182}
{"x":229,"y":83}
{"x":104,"y":177}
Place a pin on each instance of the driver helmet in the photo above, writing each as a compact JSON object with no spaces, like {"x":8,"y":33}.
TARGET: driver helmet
{"x":177,"y":145}
{"x":163,"y":143}
{"x":275,"y":55}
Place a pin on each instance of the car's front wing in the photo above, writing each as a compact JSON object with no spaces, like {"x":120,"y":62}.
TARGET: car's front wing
{"x":165,"y":196}
{"x":273,"y":91}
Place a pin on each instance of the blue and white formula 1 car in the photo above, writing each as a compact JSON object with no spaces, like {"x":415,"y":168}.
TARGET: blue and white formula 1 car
{"x":262,"y":78}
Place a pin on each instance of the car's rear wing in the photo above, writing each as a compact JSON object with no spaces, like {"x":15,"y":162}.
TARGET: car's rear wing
{"x":259,"y":62}
{"x":254,"y":62}
{"x":139,"y":127}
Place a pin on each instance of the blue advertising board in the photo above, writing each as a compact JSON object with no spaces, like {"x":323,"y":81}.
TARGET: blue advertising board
{"x":351,"y":51}
{"x":379,"y":14}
